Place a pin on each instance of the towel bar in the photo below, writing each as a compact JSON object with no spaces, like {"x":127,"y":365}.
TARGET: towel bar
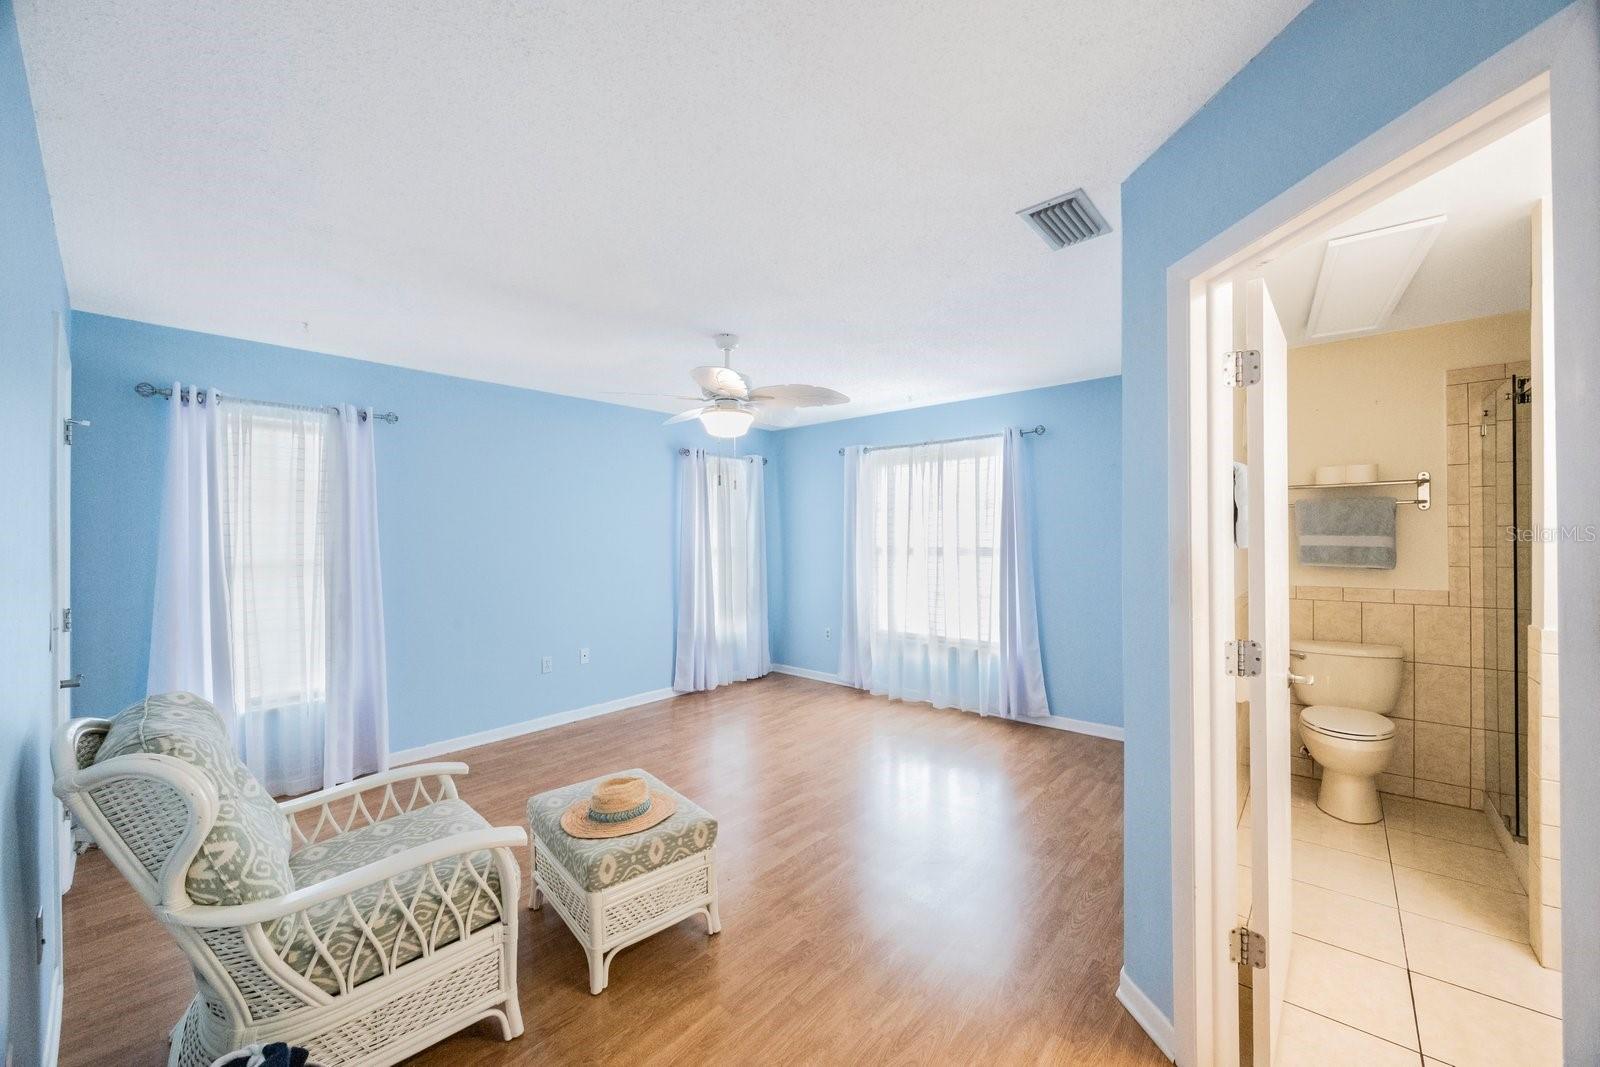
{"x":1423,"y":481}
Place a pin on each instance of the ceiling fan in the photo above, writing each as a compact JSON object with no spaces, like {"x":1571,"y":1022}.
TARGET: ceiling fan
{"x":730,"y":405}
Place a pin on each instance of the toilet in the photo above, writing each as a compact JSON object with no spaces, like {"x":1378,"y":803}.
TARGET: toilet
{"x":1349,"y":690}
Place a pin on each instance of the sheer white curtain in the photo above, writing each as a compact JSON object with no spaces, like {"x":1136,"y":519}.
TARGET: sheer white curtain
{"x":268,"y":595}
{"x":1022,"y":693}
{"x":189,"y":639}
{"x":936,"y":610}
{"x":855,"y":628}
{"x":722,"y":571}
{"x":356,"y":740}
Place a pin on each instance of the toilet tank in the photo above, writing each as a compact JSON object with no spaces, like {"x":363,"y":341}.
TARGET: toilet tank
{"x":1347,"y":673}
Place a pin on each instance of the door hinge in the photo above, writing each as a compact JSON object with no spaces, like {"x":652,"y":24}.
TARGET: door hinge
{"x":1245,"y":946}
{"x":1242,"y":368}
{"x":66,"y":428}
{"x":66,"y":620}
{"x":1243,"y":658}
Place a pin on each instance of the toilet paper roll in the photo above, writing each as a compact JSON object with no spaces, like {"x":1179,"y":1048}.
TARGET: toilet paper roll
{"x":1329,"y":475}
{"x":1361,"y":472}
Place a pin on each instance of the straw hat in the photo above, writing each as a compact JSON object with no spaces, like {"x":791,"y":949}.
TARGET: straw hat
{"x":616,"y":808}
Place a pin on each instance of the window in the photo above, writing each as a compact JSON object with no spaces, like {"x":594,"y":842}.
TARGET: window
{"x":274,"y":530}
{"x":935,"y":528}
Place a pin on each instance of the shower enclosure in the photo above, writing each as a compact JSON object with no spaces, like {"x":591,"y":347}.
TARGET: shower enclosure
{"x":1500,"y":504}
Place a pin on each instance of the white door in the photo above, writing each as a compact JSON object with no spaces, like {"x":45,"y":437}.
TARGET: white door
{"x":1257,"y":330}
{"x":61,"y":572}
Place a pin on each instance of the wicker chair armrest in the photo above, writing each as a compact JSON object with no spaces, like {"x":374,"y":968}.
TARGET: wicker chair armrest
{"x":392,"y":776}
{"x":350,"y":882}
{"x":373,"y":799}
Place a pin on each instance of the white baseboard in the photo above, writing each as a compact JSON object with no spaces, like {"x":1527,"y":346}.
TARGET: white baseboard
{"x":1146,"y":1014}
{"x":529,"y":726}
{"x":805,"y":672}
{"x":1078,"y":726}
{"x":1053,"y":722}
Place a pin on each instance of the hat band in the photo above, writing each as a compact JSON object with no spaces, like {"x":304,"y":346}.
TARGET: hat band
{"x":620,"y":816}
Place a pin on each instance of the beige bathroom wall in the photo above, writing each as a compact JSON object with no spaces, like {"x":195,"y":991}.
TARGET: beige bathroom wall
{"x":1544,"y":800}
{"x":1381,"y":399}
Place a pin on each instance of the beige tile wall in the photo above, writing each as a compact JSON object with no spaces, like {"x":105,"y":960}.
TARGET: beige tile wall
{"x":1544,"y":798}
{"x":1433,"y":741}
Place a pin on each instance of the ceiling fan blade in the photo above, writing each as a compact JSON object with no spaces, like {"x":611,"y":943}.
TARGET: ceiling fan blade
{"x":799,"y":396}
{"x":692,"y":413}
{"x":722,"y":381}
{"x":656,"y":396}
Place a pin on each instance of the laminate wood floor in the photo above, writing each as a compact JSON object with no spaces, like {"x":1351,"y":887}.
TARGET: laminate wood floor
{"x":899,"y":884}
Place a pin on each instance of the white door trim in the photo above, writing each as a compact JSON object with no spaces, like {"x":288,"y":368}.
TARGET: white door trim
{"x":1504,"y":91}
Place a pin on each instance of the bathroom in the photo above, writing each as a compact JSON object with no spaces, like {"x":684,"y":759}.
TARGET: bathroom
{"x":1422,"y":646}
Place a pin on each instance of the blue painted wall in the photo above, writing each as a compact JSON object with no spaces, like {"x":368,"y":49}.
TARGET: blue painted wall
{"x":1336,"y":74}
{"x":33,"y":297}
{"x":1077,"y":493}
{"x":513,"y":524}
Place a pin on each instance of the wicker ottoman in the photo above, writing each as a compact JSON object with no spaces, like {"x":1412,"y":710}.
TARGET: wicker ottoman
{"x":617,"y":891}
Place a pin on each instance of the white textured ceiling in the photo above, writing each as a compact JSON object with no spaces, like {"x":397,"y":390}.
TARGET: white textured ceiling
{"x":1480,"y":264}
{"x":575,"y":195}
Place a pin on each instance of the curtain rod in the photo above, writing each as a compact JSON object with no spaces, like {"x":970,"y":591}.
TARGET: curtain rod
{"x":1039,"y":429}
{"x":145,"y":389}
{"x":685,"y":452}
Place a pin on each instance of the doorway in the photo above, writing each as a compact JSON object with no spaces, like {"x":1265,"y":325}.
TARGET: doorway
{"x":1407,"y":897}
{"x":1204,"y":295}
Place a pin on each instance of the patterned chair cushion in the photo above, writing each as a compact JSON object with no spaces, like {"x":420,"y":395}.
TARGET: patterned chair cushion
{"x":598,"y":864}
{"x":337,"y":926}
{"x":245,"y":857}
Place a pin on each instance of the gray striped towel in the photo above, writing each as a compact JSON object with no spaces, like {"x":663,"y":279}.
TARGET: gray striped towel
{"x":1353,"y":531}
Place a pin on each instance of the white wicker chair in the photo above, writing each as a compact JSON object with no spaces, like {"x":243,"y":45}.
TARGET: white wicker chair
{"x":446,"y":958}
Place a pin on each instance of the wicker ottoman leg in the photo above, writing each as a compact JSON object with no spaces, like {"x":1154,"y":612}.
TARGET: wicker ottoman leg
{"x":599,"y":965}
{"x":534,"y":903}
{"x":713,"y":916}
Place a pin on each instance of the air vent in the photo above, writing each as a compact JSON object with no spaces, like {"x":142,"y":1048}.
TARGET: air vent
{"x":1066,"y":220}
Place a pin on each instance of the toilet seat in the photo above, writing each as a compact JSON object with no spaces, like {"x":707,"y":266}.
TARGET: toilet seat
{"x":1351,"y":724}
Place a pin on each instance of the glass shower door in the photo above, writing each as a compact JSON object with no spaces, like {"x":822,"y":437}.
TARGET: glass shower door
{"x":1521,"y":410}
{"x":1500,"y":505}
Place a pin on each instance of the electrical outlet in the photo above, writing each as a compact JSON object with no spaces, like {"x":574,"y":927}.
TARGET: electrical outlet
{"x":827,"y":633}
{"x":583,"y":655}
{"x":547,"y":665}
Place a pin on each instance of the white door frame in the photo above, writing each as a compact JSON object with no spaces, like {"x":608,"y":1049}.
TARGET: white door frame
{"x":1499,"y":94}
{"x":65,"y":857}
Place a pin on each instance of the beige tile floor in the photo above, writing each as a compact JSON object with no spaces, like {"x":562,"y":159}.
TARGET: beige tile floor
{"x":1410,"y":943}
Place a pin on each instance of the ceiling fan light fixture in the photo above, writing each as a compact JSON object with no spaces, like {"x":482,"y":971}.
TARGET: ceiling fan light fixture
{"x":726,"y":422}
{"x":732,"y":403}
